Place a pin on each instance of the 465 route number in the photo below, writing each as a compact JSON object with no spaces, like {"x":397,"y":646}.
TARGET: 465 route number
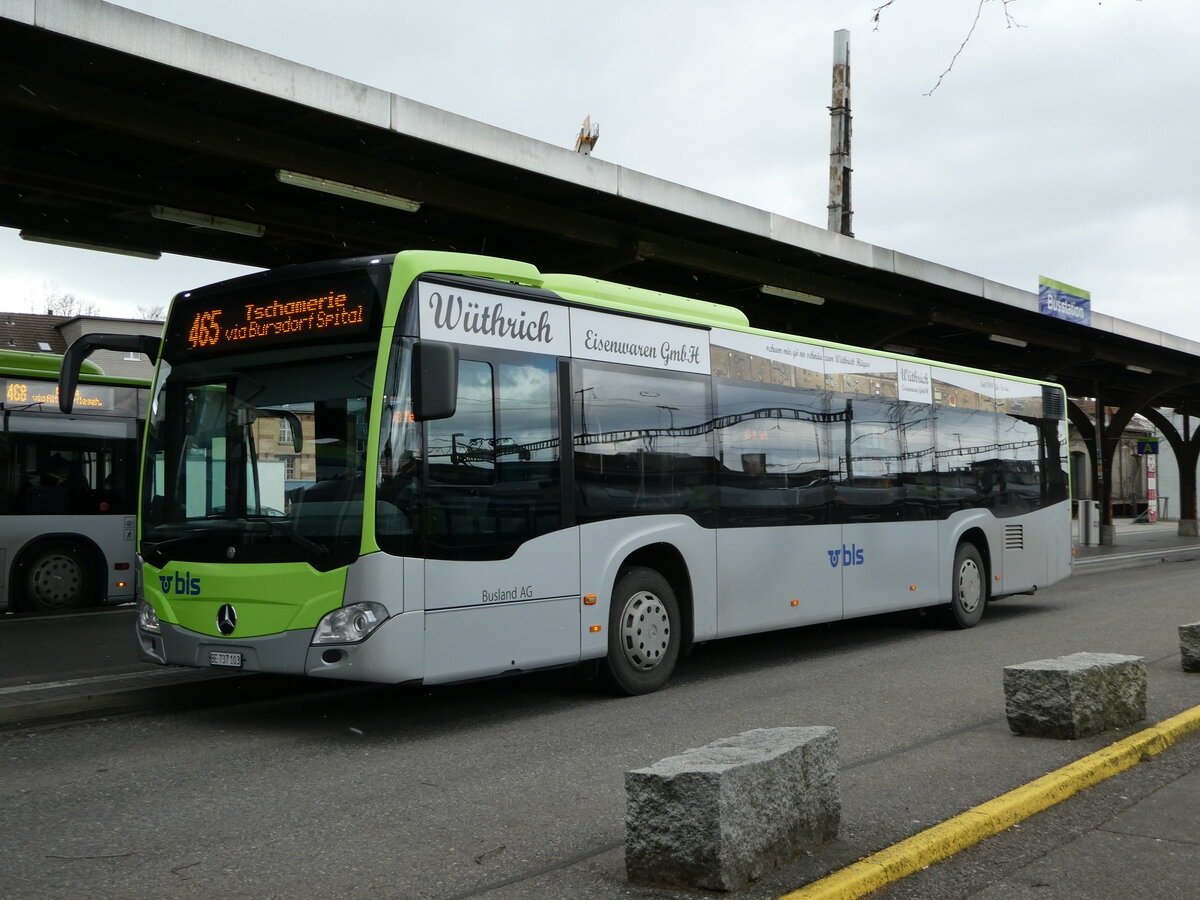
{"x":206,"y":330}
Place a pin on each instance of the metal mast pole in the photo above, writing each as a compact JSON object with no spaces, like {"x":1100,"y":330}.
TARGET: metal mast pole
{"x":840,"y":210}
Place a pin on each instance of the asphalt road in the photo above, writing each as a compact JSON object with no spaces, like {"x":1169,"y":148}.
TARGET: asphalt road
{"x":514,"y":788}
{"x":95,"y":641}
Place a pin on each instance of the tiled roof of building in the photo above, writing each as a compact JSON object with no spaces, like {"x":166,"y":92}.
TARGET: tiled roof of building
{"x":1137,"y":423}
{"x":31,"y":332}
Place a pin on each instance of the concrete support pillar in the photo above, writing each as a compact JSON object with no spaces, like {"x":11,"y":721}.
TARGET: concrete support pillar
{"x":1186,"y":447}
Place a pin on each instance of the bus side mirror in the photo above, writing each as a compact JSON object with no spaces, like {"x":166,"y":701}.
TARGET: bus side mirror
{"x":81,"y":349}
{"x":434,"y":380}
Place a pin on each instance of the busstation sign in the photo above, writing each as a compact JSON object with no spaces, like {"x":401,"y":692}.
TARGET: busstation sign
{"x":1064,"y":302}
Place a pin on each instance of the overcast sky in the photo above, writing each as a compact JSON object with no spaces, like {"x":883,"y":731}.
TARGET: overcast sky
{"x":1067,"y":147}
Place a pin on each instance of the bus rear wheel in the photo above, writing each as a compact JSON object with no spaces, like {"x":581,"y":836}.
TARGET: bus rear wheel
{"x":643,"y":632}
{"x":57,"y":575}
{"x":968,"y":588}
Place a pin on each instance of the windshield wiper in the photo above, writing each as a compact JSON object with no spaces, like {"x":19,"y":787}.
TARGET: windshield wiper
{"x":296,"y":537}
{"x":159,"y":547}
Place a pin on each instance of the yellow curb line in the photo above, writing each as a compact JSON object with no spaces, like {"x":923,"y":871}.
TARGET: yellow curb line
{"x":944,"y":840}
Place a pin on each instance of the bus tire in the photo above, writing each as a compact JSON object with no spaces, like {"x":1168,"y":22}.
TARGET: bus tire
{"x":57,"y":575}
{"x":644,"y":632}
{"x":968,"y":588}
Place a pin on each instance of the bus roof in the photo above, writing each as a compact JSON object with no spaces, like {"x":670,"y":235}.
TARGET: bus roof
{"x":609,"y":294}
{"x":639,"y":301}
{"x":29,"y":364}
{"x":574,"y":288}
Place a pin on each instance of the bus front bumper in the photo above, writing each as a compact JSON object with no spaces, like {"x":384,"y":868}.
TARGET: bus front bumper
{"x":393,"y":653}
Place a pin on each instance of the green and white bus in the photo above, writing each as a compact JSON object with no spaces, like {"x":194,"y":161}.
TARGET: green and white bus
{"x":68,"y":485}
{"x":434,"y":467}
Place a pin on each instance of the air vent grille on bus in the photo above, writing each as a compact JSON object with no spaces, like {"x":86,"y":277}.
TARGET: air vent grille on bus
{"x":1014,"y":537}
{"x":1052,"y":403}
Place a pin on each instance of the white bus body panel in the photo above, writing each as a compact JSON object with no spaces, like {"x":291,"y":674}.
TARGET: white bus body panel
{"x":1033,"y":551}
{"x":493,"y":616}
{"x":380,"y":578}
{"x":760,"y":571}
{"x":888,"y":566}
{"x":478,"y":642}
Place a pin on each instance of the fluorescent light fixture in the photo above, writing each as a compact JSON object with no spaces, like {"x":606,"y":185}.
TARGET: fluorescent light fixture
{"x":790,"y":295}
{"x":1005,"y":339}
{"x":203,"y":220}
{"x":88,"y":245}
{"x":1141,"y":370}
{"x":342,"y":189}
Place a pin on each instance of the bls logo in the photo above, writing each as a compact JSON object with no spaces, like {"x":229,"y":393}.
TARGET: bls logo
{"x":183,"y":585}
{"x":847,"y":556}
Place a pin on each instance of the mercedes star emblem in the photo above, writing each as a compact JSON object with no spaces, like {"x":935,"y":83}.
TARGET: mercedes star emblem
{"x":226,"y":619}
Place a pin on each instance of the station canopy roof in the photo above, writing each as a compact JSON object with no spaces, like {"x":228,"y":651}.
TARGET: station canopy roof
{"x":126,"y":131}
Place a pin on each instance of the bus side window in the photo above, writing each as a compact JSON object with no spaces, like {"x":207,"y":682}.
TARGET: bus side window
{"x":643,"y":442}
{"x":461,"y":449}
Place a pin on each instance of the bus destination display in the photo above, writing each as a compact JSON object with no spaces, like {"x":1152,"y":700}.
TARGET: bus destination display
{"x":22,"y":392}
{"x":231,"y":325}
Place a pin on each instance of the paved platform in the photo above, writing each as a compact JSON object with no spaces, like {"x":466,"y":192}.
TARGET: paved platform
{"x":1137,"y":544}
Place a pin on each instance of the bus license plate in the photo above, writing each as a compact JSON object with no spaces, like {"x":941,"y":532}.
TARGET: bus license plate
{"x":228,"y":660}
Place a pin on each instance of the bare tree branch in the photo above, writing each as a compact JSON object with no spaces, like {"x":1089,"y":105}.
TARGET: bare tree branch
{"x":64,"y":303}
{"x":878,"y":10}
{"x":954,"y":58}
{"x":1010,"y":22}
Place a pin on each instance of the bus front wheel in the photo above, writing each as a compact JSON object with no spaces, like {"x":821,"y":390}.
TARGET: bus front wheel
{"x":643,"y":632}
{"x":57,"y":575}
{"x":968,"y":588}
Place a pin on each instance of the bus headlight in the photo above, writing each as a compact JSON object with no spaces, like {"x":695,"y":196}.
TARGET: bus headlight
{"x":147,"y":618}
{"x":350,"y":624}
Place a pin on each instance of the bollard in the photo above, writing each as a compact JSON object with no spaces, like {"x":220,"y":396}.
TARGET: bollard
{"x":720,"y":816}
{"x":1075,"y":696}
{"x":1189,"y":647}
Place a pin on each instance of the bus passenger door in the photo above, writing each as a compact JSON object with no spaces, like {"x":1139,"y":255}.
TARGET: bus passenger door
{"x":501,"y":571}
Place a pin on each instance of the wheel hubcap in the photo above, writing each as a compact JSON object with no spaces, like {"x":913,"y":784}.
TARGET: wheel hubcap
{"x":970,"y":586}
{"x":56,"y":581}
{"x":645,"y":631}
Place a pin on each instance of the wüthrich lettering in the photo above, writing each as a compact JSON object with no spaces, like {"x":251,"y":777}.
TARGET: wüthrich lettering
{"x":452,"y":313}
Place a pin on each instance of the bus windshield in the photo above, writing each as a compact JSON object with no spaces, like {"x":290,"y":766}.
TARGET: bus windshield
{"x":256,"y":439}
{"x":258,"y":460}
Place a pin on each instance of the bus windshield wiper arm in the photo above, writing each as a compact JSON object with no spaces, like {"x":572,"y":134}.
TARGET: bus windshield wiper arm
{"x":163,"y":545}
{"x":159,"y":548}
{"x":297,"y":538}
